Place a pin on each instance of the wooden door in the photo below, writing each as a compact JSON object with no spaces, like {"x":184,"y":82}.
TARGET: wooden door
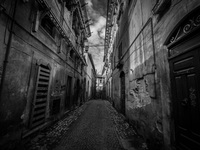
{"x":122,"y":97}
{"x":185,"y":81}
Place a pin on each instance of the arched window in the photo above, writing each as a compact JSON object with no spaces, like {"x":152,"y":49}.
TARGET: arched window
{"x":75,"y":23}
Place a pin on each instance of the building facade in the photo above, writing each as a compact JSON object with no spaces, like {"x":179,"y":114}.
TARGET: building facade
{"x":41,"y":63}
{"x":90,"y":77}
{"x":107,"y":86}
{"x":100,"y":80}
{"x":154,"y":69}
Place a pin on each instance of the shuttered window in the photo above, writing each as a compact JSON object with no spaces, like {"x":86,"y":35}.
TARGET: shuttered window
{"x":40,"y":98}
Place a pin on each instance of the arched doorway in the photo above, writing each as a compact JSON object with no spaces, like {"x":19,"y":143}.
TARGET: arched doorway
{"x":184,"y":60}
{"x":122,"y":92}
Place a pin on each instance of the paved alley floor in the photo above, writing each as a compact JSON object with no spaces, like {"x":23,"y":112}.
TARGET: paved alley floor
{"x":94,"y":130}
{"x":96,"y":125}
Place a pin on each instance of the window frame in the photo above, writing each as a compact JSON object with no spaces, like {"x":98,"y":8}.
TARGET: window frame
{"x":48,"y":24}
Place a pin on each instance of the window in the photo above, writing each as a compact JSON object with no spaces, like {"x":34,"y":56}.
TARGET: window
{"x":48,"y":26}
{"x":71,"y":54}
{"x":76,"y":22}
{"x":114,"y":63}
{"x":120,"y":51}
{"x":121,"y":10}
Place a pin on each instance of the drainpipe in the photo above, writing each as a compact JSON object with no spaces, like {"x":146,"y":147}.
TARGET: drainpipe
{"x":8,"y":49}
{"x":154,"y":57}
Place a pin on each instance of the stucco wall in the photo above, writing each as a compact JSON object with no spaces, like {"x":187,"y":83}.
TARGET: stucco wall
{"x":146,"y":68}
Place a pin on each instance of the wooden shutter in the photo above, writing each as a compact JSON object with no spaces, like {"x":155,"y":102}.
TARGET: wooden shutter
{"x":38,"y":115}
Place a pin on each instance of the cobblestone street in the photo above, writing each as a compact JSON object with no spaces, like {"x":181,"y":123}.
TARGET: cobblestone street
{"x":95,"y":125}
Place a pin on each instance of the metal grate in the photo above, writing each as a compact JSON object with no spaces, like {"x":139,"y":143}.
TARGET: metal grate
{"x":40,"y":98}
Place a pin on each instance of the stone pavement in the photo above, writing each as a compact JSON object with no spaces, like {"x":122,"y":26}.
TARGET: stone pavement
{"x":96,"y":125}
{"x":127,"y":136}
{"x":51,"y":136}
{"x":94,"y":130}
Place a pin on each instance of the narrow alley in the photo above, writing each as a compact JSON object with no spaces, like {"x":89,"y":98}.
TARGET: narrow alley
{"x":93,"y":130}
{"x":99,"y":74}
{"x":96,"y":125}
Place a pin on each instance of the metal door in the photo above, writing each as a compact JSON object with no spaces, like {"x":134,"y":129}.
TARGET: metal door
{"x":185,"y":81}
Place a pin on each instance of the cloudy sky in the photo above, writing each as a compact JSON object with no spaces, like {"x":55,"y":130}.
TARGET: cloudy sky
{"x":97,"y":13}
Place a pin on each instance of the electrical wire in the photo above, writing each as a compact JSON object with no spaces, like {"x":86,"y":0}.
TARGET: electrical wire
{"x":130,"y":56}
{"x":138,"y":48}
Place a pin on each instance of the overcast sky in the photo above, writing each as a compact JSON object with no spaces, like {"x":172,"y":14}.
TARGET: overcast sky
{"x":97,"y":12}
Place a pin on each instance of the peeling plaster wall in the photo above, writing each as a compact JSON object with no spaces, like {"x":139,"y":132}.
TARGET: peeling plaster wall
{"x":146,"y":67}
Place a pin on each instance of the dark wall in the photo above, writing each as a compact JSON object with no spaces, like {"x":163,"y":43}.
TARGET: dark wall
{"x":27,"y":51}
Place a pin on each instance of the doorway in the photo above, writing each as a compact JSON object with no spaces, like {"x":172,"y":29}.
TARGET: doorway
{"x":184,"y":61}
{"x":77,"y":94}
{"x":185,"y":77}
{"x":68,"y":93}
{"x":122,"y":92}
